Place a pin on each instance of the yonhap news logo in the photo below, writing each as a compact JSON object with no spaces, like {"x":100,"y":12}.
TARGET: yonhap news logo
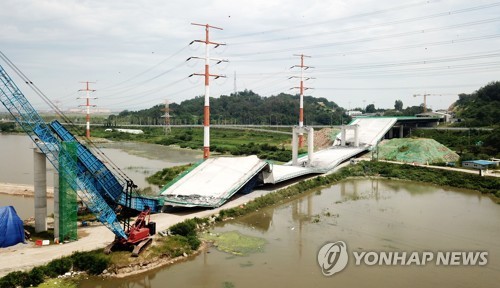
{"x":333,"y":258}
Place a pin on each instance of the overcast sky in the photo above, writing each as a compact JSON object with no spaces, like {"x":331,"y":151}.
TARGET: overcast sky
{"x":362,"y":52}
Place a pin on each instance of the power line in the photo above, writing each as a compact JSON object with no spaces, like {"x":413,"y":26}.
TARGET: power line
{"x":368,"y":39}
{"x":359,"y":28}
{"x":382,"y":11}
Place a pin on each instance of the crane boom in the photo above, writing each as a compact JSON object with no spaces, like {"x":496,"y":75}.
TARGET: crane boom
{"x":425,"y":98}
{"x":48,"y":142}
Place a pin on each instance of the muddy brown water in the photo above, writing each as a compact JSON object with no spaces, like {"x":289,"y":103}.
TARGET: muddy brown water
{"x":368,"y":215}
{"x":136,"y":160}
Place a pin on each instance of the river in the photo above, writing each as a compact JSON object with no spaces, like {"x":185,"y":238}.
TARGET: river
{"x":136,"y":160}
{"x":368,"y":215}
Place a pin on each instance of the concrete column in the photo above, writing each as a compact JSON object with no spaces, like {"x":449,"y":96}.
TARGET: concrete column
{"x":391,"y":134}
{"x":310,"y":145}
{"x":356,"y":136}
{"x":401,"y":129}
{"x":40,"y":171}
{"x":342,"y":136}
{"x":56,"y":206}
{"x":295,"y":146}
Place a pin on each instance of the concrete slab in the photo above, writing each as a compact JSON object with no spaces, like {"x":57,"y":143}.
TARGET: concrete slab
{"x":213,"y":182}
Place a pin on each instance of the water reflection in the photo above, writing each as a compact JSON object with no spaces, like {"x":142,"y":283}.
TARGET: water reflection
{"x":369,"y":215}
{"x":137,"y":160}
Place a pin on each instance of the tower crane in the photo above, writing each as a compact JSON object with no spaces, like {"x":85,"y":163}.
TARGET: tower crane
{"x":425,"y":98}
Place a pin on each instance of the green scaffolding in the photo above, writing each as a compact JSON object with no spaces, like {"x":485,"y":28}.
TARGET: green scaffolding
{"x":68,"y":205}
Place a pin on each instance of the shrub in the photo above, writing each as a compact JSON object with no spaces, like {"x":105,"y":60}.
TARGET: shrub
{"x":58,"y":267}
{"x":193,"y":242}
{"x":184,"y":228}
{"x":92,"y":262}
{"x":172,"y":246}
{"x":14,"y":279}
{"x":36,"y":276}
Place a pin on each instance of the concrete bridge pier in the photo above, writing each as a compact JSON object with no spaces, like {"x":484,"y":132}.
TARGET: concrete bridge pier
{"x":295,"y":144}
{"x":40,"y":187}
{"x":343,"y":133}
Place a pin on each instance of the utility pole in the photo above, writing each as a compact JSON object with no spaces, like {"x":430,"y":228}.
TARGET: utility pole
{"x":235,"y":88}
{"x":87,"y":104}
{"x":301,"y":89}
{"x":167,"y":117}
{"x":207,"y":75}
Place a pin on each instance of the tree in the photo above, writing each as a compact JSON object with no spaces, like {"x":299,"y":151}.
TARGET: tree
{"x":370,"y":108}
{"x":398,"y":105}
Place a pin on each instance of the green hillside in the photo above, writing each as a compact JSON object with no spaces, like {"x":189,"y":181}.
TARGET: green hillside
{"x":481,"y":108}
{"x":244,"y":107}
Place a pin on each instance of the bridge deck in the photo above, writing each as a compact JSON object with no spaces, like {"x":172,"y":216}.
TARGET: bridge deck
{"x":214,"y":181}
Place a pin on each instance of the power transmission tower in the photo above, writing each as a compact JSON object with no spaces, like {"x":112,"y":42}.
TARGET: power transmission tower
{"x":87,"y":104}
{"x":207,"y":75}
{"x":167,"y":116}
{"x":301,"y":90}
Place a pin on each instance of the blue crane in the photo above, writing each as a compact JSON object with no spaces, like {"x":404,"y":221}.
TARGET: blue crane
{"x":49,"y":143}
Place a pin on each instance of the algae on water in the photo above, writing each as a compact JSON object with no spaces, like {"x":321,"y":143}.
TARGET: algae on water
{"x":235,"y":243}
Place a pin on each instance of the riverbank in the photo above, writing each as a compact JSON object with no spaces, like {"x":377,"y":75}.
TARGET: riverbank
{"x":99,"y":236}
{"x":23,"y":190}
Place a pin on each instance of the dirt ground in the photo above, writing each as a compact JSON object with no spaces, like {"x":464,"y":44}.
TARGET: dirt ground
{"x":22,"y":190}
{"x":27,"y":256}
{"x":324,"y":138}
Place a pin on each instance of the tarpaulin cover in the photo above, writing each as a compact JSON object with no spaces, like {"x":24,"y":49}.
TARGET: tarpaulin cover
{"x":11,"y":227}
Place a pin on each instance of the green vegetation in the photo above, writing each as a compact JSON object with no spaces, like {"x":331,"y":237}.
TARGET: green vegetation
{"x":172,"y":246}
{"x":58,"y":283}
{"x":186,"y":230}
{"x":481,"y":108}
{"x":415,"y":150}
{"x":8,"y":127}
{"x":274,"y":146}
{"x":244,"y":107}
{"x":92,"y":262}
{"x":469,"y":144}
{"x":235,"y":243}
{"x":166,"y":175}
{"x":183,"y":241}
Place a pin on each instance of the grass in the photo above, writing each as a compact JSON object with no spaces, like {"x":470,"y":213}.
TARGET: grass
{"x":166,"y":175}
{"x":266,"y":145}
{"x":235,"y":243}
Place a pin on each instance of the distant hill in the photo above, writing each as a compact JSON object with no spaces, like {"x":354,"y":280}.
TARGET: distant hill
{"x":481,"y":108}
{"x":247,"y":107}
